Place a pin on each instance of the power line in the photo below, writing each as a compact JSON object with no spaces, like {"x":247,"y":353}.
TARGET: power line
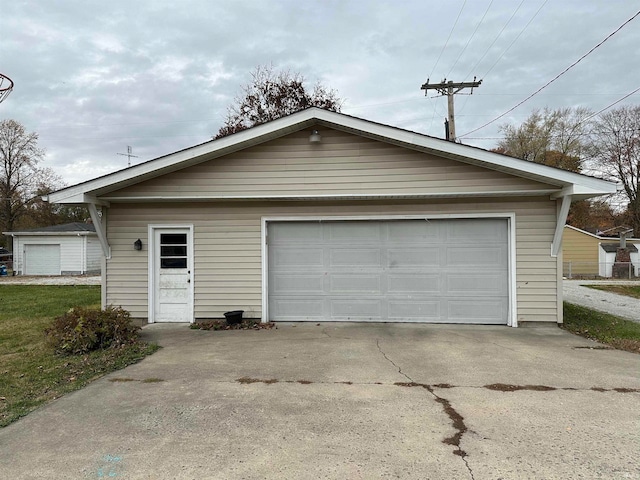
{"x":556,"y":77}
{"x":473,"y":69}
{"x":470,"y":38}
{"x":516,"y":39}
{"x":612,"y":104}
{"x":448,"y":38}
{"x":555,"y":135}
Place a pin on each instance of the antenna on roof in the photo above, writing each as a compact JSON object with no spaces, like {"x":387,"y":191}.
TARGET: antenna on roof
{"x":129,"y":155}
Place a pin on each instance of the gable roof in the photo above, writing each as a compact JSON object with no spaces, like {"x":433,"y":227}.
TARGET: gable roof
{"x":599,"y":236}
{"x":567,"y":183}
{"x":66,"y":228}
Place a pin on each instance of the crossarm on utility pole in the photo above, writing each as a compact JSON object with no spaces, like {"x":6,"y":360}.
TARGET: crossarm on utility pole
{"x":449,"y":89}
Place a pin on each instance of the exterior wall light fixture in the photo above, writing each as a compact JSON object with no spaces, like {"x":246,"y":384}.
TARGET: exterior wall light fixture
{"x":315,"y":137}
{"x":137,"y":245}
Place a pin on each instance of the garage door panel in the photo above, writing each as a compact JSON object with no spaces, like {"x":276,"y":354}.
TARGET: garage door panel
{"x":407,"y":310}
{"x":476,"y":257}
{"x":298,"y":309}
{"x":479,"y":283}
{"x":413,"y":257}
{"x":476,"y":310}
{"x":342,"y":284}
{"x":299,"y":257}
{"x":407,"y":270}
{"x":367,"y":232}
{"x":412,"y":231}
{"x":410,"y":283}
{"x":296,"y":233}
{"x":361,"y":309}
{"x":478,"y":230}
{"x":354,"y":257}
{"x":300,"y":283}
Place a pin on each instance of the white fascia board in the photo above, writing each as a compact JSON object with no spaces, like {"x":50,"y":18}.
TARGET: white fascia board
{"x":473,"y":155}
{"x":332,"y":197}
{"x":604,"y":239}
{"x":82,"y":233}
{"x":581,"y":231}
{"x":300,"y":120}
{"x":182,"y":159}
{"x":67,"y":197}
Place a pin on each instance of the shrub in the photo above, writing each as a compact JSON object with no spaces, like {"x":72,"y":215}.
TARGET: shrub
{"x":82,"y":330}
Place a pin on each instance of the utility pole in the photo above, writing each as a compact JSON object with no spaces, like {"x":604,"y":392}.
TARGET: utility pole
{"x":450,"y":89}
{"x":129,"y":155}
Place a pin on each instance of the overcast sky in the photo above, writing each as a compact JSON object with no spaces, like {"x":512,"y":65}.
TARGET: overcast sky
{"x":92,"y":78}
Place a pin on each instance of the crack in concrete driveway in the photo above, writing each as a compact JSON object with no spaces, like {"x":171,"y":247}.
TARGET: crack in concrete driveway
{"x":457,"y":420}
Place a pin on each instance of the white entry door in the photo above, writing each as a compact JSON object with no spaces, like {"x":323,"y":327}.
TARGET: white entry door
{"x":173,"y":287}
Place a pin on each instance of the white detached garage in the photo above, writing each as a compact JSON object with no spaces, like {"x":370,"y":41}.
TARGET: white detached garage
{"x":68,"y":249}
{"x":320,"y":216}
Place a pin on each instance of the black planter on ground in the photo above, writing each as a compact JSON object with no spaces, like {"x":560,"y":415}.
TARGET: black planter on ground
{"x":234,"y":317}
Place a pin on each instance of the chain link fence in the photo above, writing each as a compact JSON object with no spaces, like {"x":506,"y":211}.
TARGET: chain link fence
{"x":619,"y":270}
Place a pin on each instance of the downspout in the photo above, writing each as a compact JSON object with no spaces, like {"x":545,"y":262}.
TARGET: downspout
{"x":97,"y":222}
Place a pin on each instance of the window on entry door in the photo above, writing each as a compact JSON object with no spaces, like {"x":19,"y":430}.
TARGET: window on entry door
{"x":173,"y":250}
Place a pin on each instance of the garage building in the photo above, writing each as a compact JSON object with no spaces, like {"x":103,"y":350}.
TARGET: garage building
{"x":320,"y":216}
{"x":68,"y":249}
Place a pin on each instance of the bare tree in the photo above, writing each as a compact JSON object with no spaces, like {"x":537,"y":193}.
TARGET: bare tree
{"x":553,"y":137}
{"x":271,"y":95}
{"x":615,"y":149}
{"x":39,"y":213}
{"x":558,"y":138}
{"x":19,"y":172}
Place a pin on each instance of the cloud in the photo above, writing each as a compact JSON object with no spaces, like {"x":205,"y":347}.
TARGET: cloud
{"x":94,"y":77}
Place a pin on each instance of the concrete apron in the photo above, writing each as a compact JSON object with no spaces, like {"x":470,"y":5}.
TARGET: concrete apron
{"x":345,"y":401}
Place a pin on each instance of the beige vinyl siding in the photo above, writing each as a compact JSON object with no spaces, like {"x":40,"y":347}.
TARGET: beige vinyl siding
{"x":342,"y":164}
{"x":581,"y":250}
{"x":227,"y":243}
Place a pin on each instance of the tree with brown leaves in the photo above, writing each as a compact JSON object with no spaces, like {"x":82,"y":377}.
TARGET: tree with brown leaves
{"x":273,"y":94}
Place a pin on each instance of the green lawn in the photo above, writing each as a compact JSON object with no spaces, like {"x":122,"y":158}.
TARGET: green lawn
{"x":608,"y":329}
{"x":628,"y":290}
{"x":30,"y":373}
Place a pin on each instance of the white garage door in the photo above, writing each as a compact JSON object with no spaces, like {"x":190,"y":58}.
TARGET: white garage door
{"x":441,"y":271}
{"x":42,"y":259}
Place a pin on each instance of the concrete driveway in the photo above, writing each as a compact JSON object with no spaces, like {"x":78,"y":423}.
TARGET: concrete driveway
{"x":345,"y":401}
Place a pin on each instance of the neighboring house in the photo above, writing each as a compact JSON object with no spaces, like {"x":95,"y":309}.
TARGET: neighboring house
{"x":585,"y":254}
{"x":319,"y":216}
{"x":69,"y":249}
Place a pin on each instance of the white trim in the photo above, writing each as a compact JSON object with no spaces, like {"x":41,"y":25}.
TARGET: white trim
{"x":99,"y":226}
{"x":561,"y":220}
{"x":103,"y":282}
{"x":512,"y":317}
{"x":513,"y":289}
{"x":151,"y":230}
{"x":264,"y":249}
{"x":84,"y":192}
{"x":581,"y":231}
{"x":605,"y":239}
{"x":79,"y":233}
{"x":329,"y":196}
